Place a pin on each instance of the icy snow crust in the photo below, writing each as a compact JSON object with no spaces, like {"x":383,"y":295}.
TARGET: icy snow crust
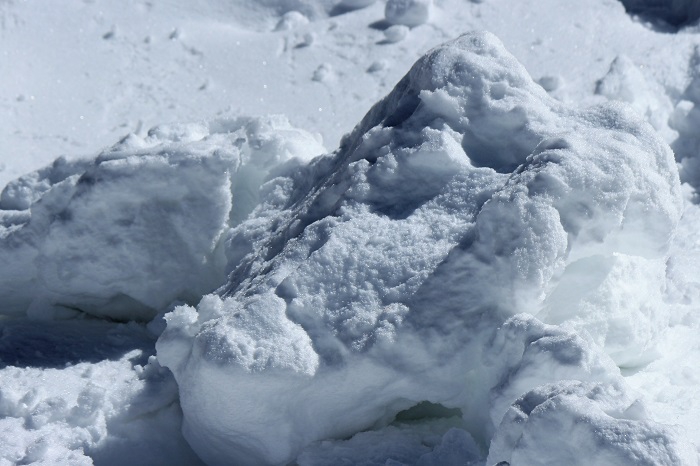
{"x":407,"y":267}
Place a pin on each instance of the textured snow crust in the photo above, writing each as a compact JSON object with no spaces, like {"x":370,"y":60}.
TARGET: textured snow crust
{"x":57,"y":407}
{"x":80,"y":391}
{"x":140,"y":226}
{"x":406,"y":268}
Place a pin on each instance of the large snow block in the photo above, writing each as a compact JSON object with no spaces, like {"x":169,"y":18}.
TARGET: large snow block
{"x":380,"y":276}
{"x":141,"y":225}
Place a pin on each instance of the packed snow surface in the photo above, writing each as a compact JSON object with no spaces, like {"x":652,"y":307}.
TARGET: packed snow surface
{"x":496,"y":266}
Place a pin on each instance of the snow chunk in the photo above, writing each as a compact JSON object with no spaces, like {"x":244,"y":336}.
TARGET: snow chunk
{"x":577,"y":423}
{"x":386,"y":274}
{"x":396,"y":33}
{"x":617,"y":300}
{"x":626,"y":82}
{"x":409,"y":13}
{"x":141,"y":225}
{"x":291,"y":20}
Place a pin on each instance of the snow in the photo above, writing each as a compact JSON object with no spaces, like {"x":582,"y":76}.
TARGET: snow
{"x":497,"y":265}
{"x":140,"y":226}
{"x":586,"y":424}
{"x":376,"y":278}
{"x":408,"y":12}
{"x":396,"y":33}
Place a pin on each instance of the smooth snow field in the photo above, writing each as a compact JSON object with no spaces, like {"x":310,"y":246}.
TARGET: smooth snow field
{"x":350,"y":232}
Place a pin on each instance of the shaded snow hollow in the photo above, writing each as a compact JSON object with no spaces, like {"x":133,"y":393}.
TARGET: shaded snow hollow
{"x":458,"y":283}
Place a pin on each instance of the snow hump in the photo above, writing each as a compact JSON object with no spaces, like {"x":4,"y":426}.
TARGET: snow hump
{"x":407,"y":267}
{"x":141,"y":225}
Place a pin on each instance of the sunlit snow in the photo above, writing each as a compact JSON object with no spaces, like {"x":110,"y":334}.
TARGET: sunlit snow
{"x":349,"y":232}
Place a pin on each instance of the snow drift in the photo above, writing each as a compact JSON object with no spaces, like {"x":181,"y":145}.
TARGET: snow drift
{"x":140,"y":226}
{"x":404,"y":271}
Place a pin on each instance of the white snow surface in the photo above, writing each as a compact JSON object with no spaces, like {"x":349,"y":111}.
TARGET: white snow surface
{"x":498,"y":265}
{"x":59,"y":406}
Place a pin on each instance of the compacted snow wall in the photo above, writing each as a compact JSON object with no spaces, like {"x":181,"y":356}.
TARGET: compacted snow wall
{"x":405,"y":270}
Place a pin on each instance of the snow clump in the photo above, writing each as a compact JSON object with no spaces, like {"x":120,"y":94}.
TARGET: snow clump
{"x":673,"y":12}
{"x":409,"y":13}
{"x":82,"y":391}
{"x":396,"y":33}
{"x":582,"y":423}
{"x":406,"y":270}
{"x":141,"y":225}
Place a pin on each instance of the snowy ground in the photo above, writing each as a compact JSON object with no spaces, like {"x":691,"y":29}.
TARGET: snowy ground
{"x":427,"y":294}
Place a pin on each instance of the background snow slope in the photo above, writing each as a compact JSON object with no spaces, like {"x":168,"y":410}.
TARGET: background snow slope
{"x":74,"y":86}
{"x":79,"y":75}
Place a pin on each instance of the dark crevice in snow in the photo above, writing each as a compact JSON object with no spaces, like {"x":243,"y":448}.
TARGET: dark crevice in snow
{"x":685,"y":119}
{"x":427,"y":410}
{"x":400,"y":210}
{"x":665,"y":15}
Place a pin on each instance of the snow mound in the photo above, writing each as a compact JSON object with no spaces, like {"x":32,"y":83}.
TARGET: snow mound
{"x":386,"y":275}
{"x":141,"y":225}
{"x":625,"y":82}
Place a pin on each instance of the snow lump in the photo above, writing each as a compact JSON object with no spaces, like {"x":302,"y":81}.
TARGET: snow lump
{"x":408,"y":12}
{"x":426,"y":262}
{"x":141,"y":225}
